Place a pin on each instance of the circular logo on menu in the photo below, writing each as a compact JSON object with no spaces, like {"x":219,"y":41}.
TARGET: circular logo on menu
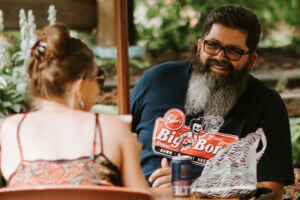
{"x":174,"y":119}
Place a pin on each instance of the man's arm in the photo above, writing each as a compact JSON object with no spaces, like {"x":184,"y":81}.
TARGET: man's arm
{"x":277,"y":188}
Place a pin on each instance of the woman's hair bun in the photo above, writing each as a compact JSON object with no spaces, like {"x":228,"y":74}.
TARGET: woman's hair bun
{"x":57,"y":38}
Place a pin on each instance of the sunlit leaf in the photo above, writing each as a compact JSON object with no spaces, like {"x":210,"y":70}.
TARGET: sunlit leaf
{"x":3,"y":83}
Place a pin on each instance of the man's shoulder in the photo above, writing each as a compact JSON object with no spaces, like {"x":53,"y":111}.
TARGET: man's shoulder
{"x":161,"y":77}
{"x":263,"y":91}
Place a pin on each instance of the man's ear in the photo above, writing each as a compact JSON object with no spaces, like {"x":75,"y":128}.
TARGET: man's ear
{"x":252,"y":60}
{"x":199,"y":46}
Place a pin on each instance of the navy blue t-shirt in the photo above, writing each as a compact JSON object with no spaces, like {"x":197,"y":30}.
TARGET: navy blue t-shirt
{"x":164,"y":87}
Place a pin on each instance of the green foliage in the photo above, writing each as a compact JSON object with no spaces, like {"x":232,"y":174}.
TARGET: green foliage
{"x":12,"y":100}
{"x":295,"y":135}
{"x":281,"y":84}
{"x":13,"y":79}
{"x":175,"y":25}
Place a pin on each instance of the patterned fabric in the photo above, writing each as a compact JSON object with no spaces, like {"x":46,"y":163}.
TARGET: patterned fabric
{"x":83,"y":171}
{"x":93,"y":170}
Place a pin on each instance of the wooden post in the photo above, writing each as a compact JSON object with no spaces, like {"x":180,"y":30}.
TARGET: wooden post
{"x":122,"y":56}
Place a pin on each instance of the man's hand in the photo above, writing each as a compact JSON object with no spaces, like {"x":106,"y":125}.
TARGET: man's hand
{"x":277,"y":188}
{"x":161,"y":177}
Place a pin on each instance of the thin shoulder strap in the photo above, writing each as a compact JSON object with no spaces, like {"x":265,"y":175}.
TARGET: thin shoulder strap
{"x":97,"y":130}
{"x":18,"y":137}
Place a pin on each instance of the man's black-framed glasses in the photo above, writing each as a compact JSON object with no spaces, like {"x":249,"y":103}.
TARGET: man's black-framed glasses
{"x":231,"y":53}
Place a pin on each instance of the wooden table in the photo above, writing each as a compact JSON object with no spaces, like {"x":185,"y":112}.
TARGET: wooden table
{"x":165,"y":194}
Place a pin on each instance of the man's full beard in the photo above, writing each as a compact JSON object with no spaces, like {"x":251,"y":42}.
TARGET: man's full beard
{"x":210,"y":93}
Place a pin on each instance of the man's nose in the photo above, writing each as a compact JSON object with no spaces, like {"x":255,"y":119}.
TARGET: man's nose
{"x":221,"y":55}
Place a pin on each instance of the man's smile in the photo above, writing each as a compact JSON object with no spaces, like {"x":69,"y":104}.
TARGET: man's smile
{"x":219,"y":69}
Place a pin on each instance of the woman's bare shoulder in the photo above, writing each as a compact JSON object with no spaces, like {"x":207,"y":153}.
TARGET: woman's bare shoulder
{"x":113,"y":120}
{"x":114,"y":125}
{"x":12,"y":120}
{"x":9,"y":125}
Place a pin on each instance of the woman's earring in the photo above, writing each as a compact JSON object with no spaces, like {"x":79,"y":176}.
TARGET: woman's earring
{"x":81,"y":103}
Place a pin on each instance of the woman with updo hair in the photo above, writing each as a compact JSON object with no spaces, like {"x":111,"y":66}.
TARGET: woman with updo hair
{"x":62,"y":142}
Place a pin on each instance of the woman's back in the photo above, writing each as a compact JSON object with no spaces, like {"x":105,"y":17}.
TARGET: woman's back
{"x":67,"y":147}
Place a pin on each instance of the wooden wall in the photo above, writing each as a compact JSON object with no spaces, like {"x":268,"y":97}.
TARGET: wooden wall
{"x":77,"y":14}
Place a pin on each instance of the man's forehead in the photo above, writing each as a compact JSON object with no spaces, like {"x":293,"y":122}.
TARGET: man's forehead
{"x":227,"y":36}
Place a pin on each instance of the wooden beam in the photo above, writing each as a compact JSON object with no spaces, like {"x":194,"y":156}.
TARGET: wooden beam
{"x":77,"y":14}
{"x":122,"y":56}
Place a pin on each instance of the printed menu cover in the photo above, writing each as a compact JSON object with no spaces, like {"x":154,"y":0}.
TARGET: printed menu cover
{"x":200,"y":139}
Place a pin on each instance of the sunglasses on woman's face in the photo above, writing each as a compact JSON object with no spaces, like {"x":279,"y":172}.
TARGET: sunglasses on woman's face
{"x":100,"y":77}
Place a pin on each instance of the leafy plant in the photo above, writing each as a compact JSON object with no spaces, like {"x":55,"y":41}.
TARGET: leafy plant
{"x":13,"y":80}
{"x":12,"y":95}
{"x":175,"y":25}
{"x":15,"y":50}
{"x":281,"y":84}
{"x":295,"y":136}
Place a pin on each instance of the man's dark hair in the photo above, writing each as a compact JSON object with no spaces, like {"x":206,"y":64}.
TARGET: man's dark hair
{"x":238,"y":17}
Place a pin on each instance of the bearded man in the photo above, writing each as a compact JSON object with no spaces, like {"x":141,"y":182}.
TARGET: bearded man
{"x":216,"y":83}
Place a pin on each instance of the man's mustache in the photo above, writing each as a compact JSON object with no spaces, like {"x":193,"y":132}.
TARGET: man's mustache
{"x":223,"y":64}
